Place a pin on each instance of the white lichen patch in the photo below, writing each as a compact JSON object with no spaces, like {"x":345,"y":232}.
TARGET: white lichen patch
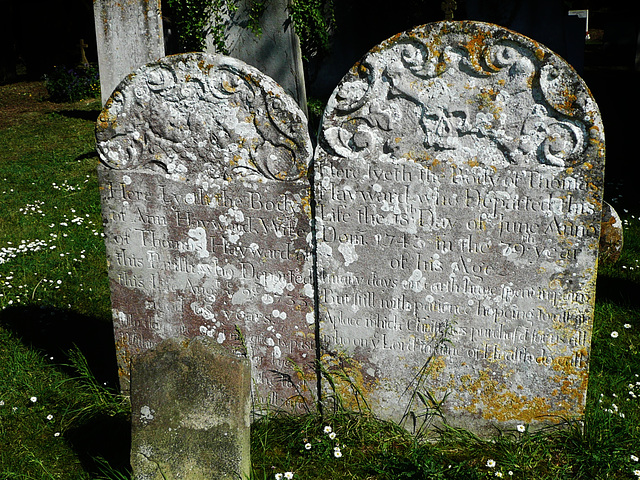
{"x":242,"y":296}
{"x":198,"y":242}
{"x":233,"y":237}
{"x":146,"y":414}
{"x":324,"y":249}
{"x":308,"y":290}
{"x":415,"y":282}
{"x":273,"y":283}
{"x":236,"y":214}
{"x":208,"y":331}
{"x":204,"y":311}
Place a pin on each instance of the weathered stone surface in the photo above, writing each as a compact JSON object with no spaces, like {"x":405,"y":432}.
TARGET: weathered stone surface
{"x":206,"y":215}
{"x":275,"y":50}
{"x":458,"y":183}
{"x":611,"y":236}
{"x":190,"y":403}
{"x":128,"y":35}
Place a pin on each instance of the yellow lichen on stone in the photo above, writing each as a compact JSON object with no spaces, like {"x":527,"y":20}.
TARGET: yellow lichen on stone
{"x":306,"y":205}
{"x":493,"y":400}
{"x":348,"y":380}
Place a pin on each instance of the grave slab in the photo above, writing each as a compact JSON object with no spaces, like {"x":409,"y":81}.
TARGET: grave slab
{"x":128,"y":35}
{"x":458,"y":182}
{"x":205,"y":203}
{"x":191,"y":405}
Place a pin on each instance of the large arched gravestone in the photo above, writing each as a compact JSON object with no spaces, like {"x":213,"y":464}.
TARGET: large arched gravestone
{"x":206,"y":211}
{"x":458,"y":182}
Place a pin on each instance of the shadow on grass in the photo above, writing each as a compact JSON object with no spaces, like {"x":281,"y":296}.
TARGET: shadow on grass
{"x":90,"y":115}
{"x":56,"y":333}
{"x":85,"y":156}
{"x":102,"y":439}
{"x":620,"y":291}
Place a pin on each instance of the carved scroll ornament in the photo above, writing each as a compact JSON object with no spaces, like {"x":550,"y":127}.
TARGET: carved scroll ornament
{"x":485,"y":95}
{"x":210,"y":116}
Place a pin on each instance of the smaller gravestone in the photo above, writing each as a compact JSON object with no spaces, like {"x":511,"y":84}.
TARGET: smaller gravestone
{"x":611,"y":236}
{"x":128,"y":35}
{"x":190,"y":404}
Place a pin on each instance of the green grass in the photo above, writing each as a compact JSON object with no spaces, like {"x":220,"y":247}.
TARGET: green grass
{"x":56,"y":346}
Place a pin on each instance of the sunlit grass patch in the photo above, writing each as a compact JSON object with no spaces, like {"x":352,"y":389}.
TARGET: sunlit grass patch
{"x":50,"y":226}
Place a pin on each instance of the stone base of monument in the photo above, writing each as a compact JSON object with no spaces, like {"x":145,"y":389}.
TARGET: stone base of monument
{"x":190,"y":403}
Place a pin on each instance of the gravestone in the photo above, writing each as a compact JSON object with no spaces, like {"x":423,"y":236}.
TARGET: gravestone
{"x":128,"y":35}
{"x":611,"y":236}
{"x":83,"y":56}
{"x":274,"y":49}
{"x":206,"y":215}
{"x":191,"y":408}
{"x":458,"y":183}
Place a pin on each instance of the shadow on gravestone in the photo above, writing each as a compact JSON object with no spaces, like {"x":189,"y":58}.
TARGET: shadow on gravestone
{"x":205,"y":202}
{"x":275,"y":50}
{"x":458,"y":182}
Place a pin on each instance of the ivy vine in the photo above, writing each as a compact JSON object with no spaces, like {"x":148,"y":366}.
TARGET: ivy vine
{"x":313,"y":21}
{"x":196,"y":20}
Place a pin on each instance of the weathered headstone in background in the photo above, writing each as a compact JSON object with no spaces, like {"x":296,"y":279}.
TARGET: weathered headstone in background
{"x":611,"y":236}
{"x":275,"y":50}
{"x":205,"y":202}
{"x":458,"y":184}
{"x":191,"y":407}
{"x":128,"y":35}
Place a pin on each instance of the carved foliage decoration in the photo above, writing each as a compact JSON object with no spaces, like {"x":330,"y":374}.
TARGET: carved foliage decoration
{"x":480,"y":94}
{"x":207,"y":116}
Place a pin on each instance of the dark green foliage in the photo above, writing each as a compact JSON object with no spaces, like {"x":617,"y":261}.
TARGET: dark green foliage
{"x":313,"y":20}
{"x":194,"y":20}
{"x":422,"y":462}
{"x":73,"y":84}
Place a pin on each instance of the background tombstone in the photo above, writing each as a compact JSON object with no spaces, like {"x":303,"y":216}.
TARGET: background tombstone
{"x":611,"y":236}
{"x":275,"y":50}
{"x":206,"y":214}
{"x":458,"y":183}
{"x":128,"y":35}
{"x":191,"y":407}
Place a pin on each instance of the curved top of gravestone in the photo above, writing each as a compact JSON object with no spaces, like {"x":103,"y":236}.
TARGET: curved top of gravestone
{"x":199,"y":116}
{"x":464,"y":92}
